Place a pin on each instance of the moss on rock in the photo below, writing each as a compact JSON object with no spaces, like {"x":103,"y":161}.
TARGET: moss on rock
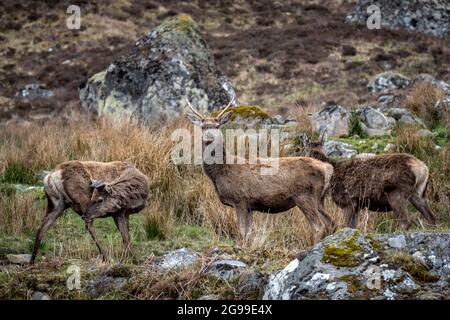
{"x":343,"y":254}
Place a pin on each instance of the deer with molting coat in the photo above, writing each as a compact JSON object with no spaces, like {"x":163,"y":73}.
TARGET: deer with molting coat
{"x":379,"y":183}
{"x":94,"y":190}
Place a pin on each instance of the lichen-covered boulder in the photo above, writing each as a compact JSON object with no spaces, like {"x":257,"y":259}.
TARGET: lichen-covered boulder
{"x":151,"y":81}
{"x":430,"y":17}
{"x":351,"y":265}
{"x":388,"y":81}
{"x":177,"y":259}
{"x":339,"y":149}
{"x":249,"y":116}
{"x":404,"y":117}
{"x":333,"y":119}
{"x":373,"y":122}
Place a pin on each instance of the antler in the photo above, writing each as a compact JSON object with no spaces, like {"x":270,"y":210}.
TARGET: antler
{"x":193,"y":110}
{"x":226,"y":108}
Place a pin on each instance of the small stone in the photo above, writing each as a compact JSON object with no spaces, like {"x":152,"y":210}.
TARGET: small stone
{"x":365,"y":155}
{"x":19,"y":258}
{"x":375,"y":146}
{"x":37,"y":295}
{"x":226,"y":269}
{"x":397,"y":242}
{"x":180,"y":258}
{"x":210,"y":297}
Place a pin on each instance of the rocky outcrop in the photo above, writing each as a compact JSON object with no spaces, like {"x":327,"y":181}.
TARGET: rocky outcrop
{"x":373,"y":122}
{"x":351,"y":265}
{"x":430,"y":17}
{"x":333,"y":119}
{"x":339,"y":149}
{"x":152,"y":81}
{"x":226,"y":269}
{"x":388,"y":81}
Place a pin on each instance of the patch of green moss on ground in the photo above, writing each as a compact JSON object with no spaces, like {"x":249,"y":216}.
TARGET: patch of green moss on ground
{"x":376,"y":245}
{"x":365,"y":145}
{"x":343,"y":254}
{"x":416,"y":268}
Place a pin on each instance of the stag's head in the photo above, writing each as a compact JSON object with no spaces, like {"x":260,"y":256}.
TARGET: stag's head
{"x":210,"y":125}
{"x":314,"y":149}
{"x":102,"y":199}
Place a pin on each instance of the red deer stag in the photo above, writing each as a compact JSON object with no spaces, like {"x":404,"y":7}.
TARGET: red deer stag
{"x":299,"y":181}
{"x":379,"y":183}
{"x":94,"y":190}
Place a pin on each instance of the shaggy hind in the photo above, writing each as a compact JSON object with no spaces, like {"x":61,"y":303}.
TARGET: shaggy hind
{"x":94,"y":190}
{"x":380,"y":183}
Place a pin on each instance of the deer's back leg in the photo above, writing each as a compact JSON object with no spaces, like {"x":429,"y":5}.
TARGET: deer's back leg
{"x":421,"y":204}
{"x":351,"y":215}
{"x":55,"y":207}
{"x":326,"y":219}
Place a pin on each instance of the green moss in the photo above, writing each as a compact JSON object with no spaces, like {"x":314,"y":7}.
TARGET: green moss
{"x":353,"y":284}
{"x":185,"y":25}
{"x":248,"y":111}
{"x":416,"y":268}
{"x":365,"y":145}
{"x":344,"y":254}
{"x":120,"y":271}
{"x":376,"y":245}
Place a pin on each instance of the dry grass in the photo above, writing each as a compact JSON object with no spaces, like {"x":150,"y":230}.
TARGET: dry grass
{"x":422,"y":101}
{"x":180,"y":195}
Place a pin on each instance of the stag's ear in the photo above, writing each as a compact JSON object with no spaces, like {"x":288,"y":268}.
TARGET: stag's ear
{"x":305,"y":139}
{"x":194,"y":119}
{"x":225,"y":118}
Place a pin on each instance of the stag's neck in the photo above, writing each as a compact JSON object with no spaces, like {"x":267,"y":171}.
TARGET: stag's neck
{"x":213,"y":170}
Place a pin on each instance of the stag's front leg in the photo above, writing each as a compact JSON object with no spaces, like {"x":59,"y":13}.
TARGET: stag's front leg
{"x":244,"y":220}
{"x":90,"y":228}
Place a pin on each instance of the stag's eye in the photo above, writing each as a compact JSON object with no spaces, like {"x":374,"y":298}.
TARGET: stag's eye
{"x":100,"y":199}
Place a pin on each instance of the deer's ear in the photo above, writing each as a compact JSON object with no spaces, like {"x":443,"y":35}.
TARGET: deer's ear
{"x":194,"y":119}
{"x":225,"y":118}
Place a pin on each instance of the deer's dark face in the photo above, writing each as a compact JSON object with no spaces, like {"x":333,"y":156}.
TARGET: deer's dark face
{"x":210,"y":126}
{"x":102,"y":201}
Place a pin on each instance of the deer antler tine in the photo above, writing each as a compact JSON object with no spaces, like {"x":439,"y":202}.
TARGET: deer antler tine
{"x":226,"y":108}
{"x":193,"y":110}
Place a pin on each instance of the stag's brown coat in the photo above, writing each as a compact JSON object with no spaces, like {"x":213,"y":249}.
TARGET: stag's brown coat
{"x":93,"y":190}
{"x":298,"y":181}
{"x":380,"y":183}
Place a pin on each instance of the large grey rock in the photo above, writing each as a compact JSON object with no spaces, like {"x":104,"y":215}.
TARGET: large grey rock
{"x":250,"y":284}
{"x":351,"y":265}
{"x":19,"y":258}
{"x":373,"y":122}
{"x":430,"y":17}
{"x":226,"y":269}
{"x":387,"y":81}
{"x":176,"y":259}
{"x":404,"y":116}
{"x":333,"y":119}
{"x":338,"y":149}
{"x":388,"y":101}
{"x":152,"y":81}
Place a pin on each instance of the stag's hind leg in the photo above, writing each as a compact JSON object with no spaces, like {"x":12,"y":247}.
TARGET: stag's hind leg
{"x":397,"y":201}
{"x":351,"y":216}
{"x":122,"y":224}
{"x":421,"y":204}
{"x":55,"y":207}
